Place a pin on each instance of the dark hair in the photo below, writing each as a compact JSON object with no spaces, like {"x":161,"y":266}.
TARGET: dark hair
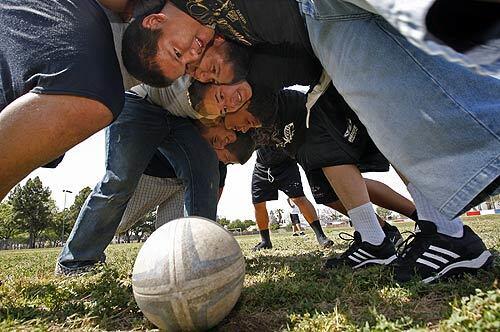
{"x":239,"y":57}
{"x":139,"y":49}
{"x":196,"y":92}
{"x":242,"y":148}
{"x":263,"y":105}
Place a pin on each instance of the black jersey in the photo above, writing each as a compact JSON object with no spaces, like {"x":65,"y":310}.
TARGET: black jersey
{"x":271,"y":156}
{"x":271,"y":70}
{"x":252,"y":22}
{"x":335,"y":135}
{"x":282,"y":52}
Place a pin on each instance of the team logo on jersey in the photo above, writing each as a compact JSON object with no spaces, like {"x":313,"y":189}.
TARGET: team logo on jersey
{"x":351,"y":131}
{"x":222,"y":15}
{"x":288,"y":133}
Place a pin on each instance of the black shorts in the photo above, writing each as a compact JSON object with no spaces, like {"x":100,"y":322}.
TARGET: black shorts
{"x":338,"y":138}
{"x":295,"y":219}
{"x":321,"y":189}
{"x":266,"y":181}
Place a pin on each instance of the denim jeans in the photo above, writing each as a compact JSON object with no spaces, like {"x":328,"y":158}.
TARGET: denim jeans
{"x":409,"y":17}
{"x":131,"y":142}
{"x":437,"y":122}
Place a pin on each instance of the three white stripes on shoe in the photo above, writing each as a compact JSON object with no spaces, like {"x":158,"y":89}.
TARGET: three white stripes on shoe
{"x":362,"y":257}
{"x":444,"y":258}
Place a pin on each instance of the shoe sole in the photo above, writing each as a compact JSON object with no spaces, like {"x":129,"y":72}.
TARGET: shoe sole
{"x":368,"y":262}
{"x":472,"y":265}
{"x":327,"y":244}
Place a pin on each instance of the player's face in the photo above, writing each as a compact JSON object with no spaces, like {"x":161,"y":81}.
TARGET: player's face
{"x":226,"y":157}
{"x":183,"y":40}
{"x":224,"y":99}
{"x":242,"y":120}
{"x":213,"y":66}
{"x":218,"y":136}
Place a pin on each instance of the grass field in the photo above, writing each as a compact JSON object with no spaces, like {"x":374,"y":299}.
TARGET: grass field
{"x":284,"y":290}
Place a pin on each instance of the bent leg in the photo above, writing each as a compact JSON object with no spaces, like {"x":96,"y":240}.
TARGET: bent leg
{"x":173,"y":208}
{"x":383,"y":196}
{"x":306,"y":208}
{"x":435,"y":121}
{"x":35,"y":129}
{"x":150,"y":192}
{"x":130,"y":143}
{"x":196,"y":164}
{"x":261,"y":216}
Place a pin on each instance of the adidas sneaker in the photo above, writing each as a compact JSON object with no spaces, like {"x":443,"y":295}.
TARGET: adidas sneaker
{"x":362,"y":254}
{"x":393,"y":233}
{"x":430,"y":255}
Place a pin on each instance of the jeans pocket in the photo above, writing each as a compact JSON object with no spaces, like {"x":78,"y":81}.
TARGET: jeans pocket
{"x":332,"y":10}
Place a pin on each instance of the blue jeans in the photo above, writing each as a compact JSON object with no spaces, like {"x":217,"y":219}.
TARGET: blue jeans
{"x":409,"y":17}
{"x":131,"y":141}
{"x":437,"y":122}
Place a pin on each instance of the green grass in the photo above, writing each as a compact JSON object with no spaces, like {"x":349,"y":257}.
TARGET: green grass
{"x":284,"y":290}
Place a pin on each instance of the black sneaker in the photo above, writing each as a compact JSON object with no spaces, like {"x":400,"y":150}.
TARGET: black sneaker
{"x":324,"y":241}
{"x":295,"y":234}
{"x":263,"y":245}
{"x":392,"y":232}
{"x":63,"y":271}
{"x":302,"y":233}
{"x":363,"y":254}
{"x":431,"y":256}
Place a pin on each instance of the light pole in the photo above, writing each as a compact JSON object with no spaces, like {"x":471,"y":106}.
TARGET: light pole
{"x":65,"y":191}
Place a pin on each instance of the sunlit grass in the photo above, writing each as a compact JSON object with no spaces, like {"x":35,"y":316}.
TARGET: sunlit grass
{"x":284,"y":290}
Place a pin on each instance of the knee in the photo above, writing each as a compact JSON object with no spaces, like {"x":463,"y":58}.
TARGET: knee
{"x":115,"y":187}
{"x":300,"y":201}
{"x":260,"y":207}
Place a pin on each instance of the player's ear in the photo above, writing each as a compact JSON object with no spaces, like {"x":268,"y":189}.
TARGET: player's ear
{"x":154,"y":21}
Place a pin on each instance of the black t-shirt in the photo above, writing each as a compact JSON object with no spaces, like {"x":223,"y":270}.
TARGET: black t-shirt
{"x":289,"y":130}
{"x":58,"y":47}
{"x":290,"y":127}
{"x":282,"y":52}
{"x":253,"y":22}
{"x":271,"y":156}
{"x":269,"y":69}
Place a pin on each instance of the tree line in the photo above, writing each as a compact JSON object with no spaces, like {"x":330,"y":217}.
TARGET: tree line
{"x":29,"y":216}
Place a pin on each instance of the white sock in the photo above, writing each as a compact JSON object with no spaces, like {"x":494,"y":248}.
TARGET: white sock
{"x":365,"y":222}
{"x":427,"y":212}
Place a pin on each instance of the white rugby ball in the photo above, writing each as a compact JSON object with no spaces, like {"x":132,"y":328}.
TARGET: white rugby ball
{"x":188,"y":275}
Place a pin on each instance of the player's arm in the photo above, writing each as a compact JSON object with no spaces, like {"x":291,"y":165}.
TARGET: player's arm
{"x":35,"y":129}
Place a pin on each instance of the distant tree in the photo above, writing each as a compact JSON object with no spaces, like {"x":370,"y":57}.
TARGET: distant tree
{"x":145,"y":226}
{"x":223,"y":221}
{"x":8,"y":225}
{"x":243,"y":225}
{"x":74,"y":209}
{"x":32,"y":207}
{"x":275,"y":218}
{"x":279,"y":215}
{"x":383,"y":213}
{"x":274,"y":226}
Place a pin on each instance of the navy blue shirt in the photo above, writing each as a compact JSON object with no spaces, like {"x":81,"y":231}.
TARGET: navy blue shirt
{"x":58,"y":47}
